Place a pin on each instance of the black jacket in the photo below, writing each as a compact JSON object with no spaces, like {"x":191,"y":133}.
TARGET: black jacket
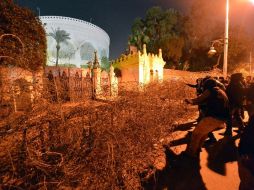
{"x":246,"y":145}
{"x":217,"y":104}
{"x":236,"y":93}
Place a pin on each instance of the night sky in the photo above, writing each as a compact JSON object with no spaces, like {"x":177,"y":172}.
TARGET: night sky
{"x":116,"y":16}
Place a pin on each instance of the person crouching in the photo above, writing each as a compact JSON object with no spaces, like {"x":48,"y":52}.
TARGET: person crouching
{"x":217,"y":113}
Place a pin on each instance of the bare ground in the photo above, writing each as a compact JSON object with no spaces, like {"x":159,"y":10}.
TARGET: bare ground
{"x":217,"y":168}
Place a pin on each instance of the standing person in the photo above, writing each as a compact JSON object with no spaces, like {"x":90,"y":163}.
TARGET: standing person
{"x":202,"y":107}
{"x":235,"y":92}
{"x":246,"y":157}
{"x":250,"y":100}
{"x":217,"y":113}
{"x":248,"y":81}
{"x":246,"y":146}
{"x":197,"y":86}
{"x":199,"y":90}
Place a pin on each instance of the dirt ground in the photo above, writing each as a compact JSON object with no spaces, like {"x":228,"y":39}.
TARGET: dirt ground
{"x":218,"y":162}
{"x":217,"y":168}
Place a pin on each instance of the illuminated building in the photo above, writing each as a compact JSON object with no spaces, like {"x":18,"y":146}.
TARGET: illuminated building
{"x":85,"y":39}
{"x":141,"y":67}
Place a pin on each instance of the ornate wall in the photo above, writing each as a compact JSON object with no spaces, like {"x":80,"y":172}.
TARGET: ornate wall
{"x":141,"y":67}
{"x":85,"y":38}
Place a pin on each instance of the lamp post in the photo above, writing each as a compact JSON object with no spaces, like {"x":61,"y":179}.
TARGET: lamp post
{"x":250,"y":63}
{"x":213,"y":51}
{"x":225,"y":61}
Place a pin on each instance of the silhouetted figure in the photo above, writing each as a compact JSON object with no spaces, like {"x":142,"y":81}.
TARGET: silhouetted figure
{"x":248,"y":81}
{"x":246,"y":157}
{"x":199,"y":90}
{"x":246,"y":146}
{"x":197,"y":86}
{"x":216,"y":115}
{"x":202,"y":107}
{"x":250,"y":100}
{"x":235,"y":92}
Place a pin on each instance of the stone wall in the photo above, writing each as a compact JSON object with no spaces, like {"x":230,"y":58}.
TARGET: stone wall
{"x":19,"y":87}
{"x":68,"y":84}
{"x":77,"y":84}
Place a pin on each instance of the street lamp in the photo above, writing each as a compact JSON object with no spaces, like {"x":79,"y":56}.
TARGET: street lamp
{"x":216,"y":43}
{"x":250,"y":63}
{"x":212,"y":50}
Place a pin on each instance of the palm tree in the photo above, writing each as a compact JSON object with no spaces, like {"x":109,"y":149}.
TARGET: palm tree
{"x":60,"y":36}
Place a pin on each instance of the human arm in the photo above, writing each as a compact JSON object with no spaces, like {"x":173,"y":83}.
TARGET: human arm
{"x":200,"y":99}
{"x":221,"y":86}
{"x":192,"y":85}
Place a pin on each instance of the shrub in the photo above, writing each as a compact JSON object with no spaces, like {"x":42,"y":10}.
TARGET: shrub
{"x":23,"y":39}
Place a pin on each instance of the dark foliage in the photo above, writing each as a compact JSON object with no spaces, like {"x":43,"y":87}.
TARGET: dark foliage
{"x":23,"y":39}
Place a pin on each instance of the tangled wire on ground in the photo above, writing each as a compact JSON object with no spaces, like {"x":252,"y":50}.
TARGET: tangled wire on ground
{"x":89,"y":145}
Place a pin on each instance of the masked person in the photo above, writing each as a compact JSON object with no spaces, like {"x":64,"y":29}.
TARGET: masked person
{"x":235,"y":92}
{"x":215,"y":117}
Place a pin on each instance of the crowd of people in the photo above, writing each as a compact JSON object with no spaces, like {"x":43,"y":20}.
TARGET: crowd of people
{"x":222,"y":103}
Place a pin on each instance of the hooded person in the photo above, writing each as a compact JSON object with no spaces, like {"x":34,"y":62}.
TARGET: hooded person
{"x":246,"y":145}
{"x":235,"y":90}
{"x":215,"y":117}
{"x":236,"y":94}
{"x":199,"y":90}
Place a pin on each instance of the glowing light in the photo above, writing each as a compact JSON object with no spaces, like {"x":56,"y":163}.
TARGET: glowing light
{"x":252,"y":1}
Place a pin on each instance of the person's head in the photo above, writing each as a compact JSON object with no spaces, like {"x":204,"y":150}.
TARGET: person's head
{"x":221,"y":79}
{"x":205,"y":79}
{"x":210,"y":84}
{"x":236,"y":78}
{"x":248,"y":79}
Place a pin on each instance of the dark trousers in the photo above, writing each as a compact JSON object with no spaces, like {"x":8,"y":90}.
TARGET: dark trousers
{"x":237,"y":114}
{"x":245,"y":173}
